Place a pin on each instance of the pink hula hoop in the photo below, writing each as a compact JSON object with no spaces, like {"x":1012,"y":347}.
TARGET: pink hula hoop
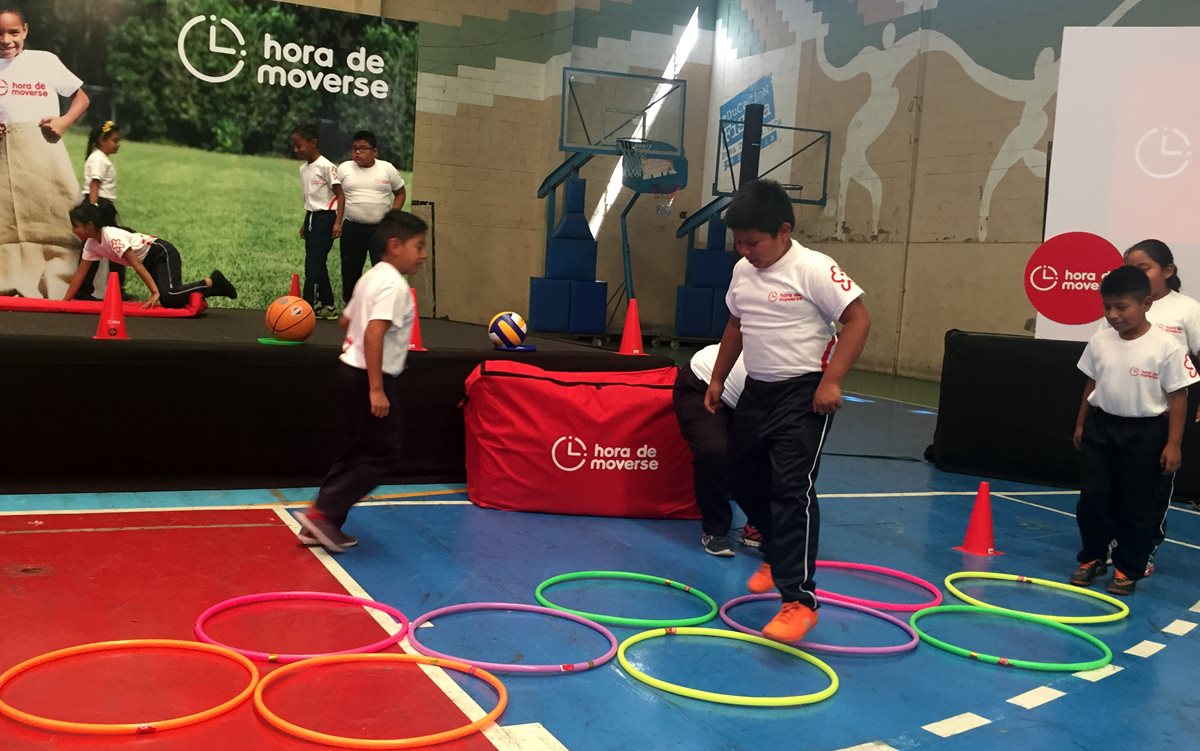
{"x":911,"y":644}
{"x":235,"y":602}
{"x":509,"y":667}
{"x":876,"y":604}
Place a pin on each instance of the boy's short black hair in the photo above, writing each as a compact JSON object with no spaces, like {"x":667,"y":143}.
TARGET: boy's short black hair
{"x":1126,"y":281}
{"x":762,"y":205}
{"x":308,"y":131}
{"x":398,"y":224}
{"x":366,"y":135}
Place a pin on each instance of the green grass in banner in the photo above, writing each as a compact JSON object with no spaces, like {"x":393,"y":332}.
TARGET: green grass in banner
{"x":241,"y":214}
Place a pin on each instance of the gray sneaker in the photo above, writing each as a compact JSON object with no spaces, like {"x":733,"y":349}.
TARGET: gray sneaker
{"x":718,"y":545}
{"x":322,"y":530}
{"x":306,"y":538}
{"x":326,"y":313}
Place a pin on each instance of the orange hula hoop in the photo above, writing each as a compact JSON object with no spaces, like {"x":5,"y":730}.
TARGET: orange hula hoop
{"x":125,"y":728}
{"x":347,"y":742}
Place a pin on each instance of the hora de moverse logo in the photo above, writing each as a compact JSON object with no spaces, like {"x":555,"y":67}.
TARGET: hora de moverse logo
{"x":569,"y":453}
{"x":286,"y":63}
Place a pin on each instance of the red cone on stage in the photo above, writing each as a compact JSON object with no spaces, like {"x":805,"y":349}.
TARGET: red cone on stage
{"x":294,"y":290}
{"x":112,"y":313}
{"x":979,"y":540}
{"x":631,"y":338}
{"x":414,"y":344}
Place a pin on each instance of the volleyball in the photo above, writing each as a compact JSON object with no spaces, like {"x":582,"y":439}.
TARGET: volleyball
{"x":290,"y":319}
{"x":507,"y":329}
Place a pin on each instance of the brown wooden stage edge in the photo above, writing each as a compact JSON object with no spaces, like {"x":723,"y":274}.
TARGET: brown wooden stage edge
{"x":198,"y":403}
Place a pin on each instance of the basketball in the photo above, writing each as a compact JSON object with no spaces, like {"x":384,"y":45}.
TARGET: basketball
{"x":290,"y":319}
{"x":507,"y":329}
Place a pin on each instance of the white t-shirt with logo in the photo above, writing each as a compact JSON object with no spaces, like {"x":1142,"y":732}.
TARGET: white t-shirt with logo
{"x":787,"y":312}
{"x":369,"y":192}
{"x":382,"y":294}
{"x":1134,"y":376}
{"x":1178,"y":315}
{"x":702,"y":367}
{"x":317,"y":179}
{"x":114,"y":243}
{"x":30,"y":85}
{"x":99,"y":167}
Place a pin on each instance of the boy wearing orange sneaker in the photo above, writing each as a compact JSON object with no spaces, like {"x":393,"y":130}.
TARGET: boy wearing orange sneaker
{"x":783,"y":301}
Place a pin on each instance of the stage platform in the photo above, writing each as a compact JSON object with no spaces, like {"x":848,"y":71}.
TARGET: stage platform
{"x":199,"y":403}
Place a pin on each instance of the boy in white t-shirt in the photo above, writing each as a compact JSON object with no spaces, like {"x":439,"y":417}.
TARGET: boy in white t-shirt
{"x":324,"y":207}
{"x":372,"y":187}
{"x":1129,"y":431}
{"x":783,"y":301}
{"x":378,"y":324}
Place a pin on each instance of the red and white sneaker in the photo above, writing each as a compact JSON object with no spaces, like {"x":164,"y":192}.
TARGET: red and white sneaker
{"x":751,"y":537}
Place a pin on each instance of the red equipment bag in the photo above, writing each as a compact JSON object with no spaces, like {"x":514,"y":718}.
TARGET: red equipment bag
{"x":599,"y":444}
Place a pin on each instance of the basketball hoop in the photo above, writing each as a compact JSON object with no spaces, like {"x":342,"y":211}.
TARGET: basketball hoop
{"x":632,"y":151}
{"x":665,"y":200}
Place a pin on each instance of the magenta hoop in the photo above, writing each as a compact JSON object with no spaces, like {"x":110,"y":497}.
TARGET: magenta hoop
{"x":509,"y":667}
{"x":908,"y":646}
{"x":235,"y":602}
{"x":876,"y":604}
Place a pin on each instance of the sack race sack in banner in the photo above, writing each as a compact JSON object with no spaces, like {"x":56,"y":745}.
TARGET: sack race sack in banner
{"x":600,"y":444}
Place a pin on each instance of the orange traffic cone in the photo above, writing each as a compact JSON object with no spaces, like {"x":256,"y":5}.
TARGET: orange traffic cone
{"x":631,"y":338}
{"x":112,"y":313}
{"x":294,"y":290}
{"x":979,"y":540}
{"x":414,"y":344}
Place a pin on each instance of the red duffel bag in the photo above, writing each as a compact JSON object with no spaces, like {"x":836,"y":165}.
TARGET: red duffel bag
{"x":601,"y":444}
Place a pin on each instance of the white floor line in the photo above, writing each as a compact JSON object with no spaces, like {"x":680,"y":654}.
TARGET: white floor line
{"x":131,"y":529}
{"x":1036,"y":697}
{"x":1145,"y":648}
{"x":1099,"y":674}
{"x":957,"y":724}
{"x":1195,"y":608}
{"x":872,"y":746}
{"x":1179,"y":628}
{"x":1068,"y":513}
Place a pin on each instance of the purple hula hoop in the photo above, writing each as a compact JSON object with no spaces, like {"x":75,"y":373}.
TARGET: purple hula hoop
{"x":235,"y":602}
{"x":508,"y":667}
{"x":834,"y":648}
{"x":876,"y":604}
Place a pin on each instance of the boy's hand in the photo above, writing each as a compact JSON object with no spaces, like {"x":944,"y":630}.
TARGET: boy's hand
{"x":55,"y":126}
{"x":301,"y":230}
{"x":1198,"y":415}
{"x":1077,"y":439}
{"x":152,"y":302}
{"x":712,"y":397}
{"x":380,"y":406}
{"x":337,"y":232}
{"x":828,"y":398}
{"x":1171,"y":459}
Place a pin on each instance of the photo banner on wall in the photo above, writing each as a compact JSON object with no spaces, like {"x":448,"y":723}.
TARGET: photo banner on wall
{"x":205,"y":95}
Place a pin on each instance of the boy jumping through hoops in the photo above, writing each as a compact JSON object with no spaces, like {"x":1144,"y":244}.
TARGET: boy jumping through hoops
{"x":783,"y":301}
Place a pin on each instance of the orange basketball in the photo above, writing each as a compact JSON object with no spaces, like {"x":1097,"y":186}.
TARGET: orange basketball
{"x":290,"y":319}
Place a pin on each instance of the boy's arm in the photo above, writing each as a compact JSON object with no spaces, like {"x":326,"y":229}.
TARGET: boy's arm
{"x":94,"y":191}
{"x":727,"y":355}
{"x":1172,"y":453}
{"x":856,"y":324}
{"x":373,"y":348}
{"x":341,"y":210}
{"x":400,"y":195}
{"x":58,"y":125}
{"x":148,"y":280}
{"x":77,"y":280}
{"x":1085,"y":409}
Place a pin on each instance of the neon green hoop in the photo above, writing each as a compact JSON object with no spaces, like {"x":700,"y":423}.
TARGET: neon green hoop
{"x":617,"y":620}
{"x":1122,"y":608}
{"x":1067,"y":667}
{"x":735,"y":699}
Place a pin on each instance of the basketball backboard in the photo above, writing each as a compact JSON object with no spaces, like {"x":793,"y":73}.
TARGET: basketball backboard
{"x":598,"y":107}
{"x":796,"y":158}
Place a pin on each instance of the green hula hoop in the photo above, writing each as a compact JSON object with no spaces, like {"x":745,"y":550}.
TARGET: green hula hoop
{"x":1122,"y":608}
{"x":616,"y":620}
{"x":735,"y":699}
{"x":1067,"y":667}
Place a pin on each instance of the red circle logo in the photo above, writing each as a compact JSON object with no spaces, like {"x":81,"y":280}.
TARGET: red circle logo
{"x":3,"y":87}
{"x":772,"y":296}
{"x":1062,"y":278}
{"x":1135,"y":371}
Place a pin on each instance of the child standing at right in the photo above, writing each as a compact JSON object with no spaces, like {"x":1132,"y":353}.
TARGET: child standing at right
{"x":1129,"y":431}
{"x":322,"y":189}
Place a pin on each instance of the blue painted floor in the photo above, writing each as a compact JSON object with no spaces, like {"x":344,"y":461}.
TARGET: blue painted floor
{"x":880,"y":505}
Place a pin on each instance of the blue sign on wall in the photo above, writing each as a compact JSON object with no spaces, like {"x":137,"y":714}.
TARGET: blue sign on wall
{"x":759,"y":92}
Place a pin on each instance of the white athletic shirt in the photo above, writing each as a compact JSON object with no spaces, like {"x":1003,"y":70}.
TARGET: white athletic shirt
{"x":114,"y":243}
{"x":99,"y":167}
{"x":787,"y":312}
{"x":1178,"y":315}
{"x":317,"y":179}
{"x":381,"y":294}
{"x":34,"y":80}
{"x":369,"y":192}
{"x":1133,"y":377}
{"x":702,"y":367}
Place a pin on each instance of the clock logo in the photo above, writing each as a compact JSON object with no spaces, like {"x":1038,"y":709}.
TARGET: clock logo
{"x":214,"y":35}
{"x":568,"y":453}
{"x":1163,"y":153}
{"x":1043,"y":278}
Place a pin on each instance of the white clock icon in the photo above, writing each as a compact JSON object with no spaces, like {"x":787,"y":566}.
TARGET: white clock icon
{"x":1043,"y":278}
{"x":213,"y":47}
{"x":1163,"y":153}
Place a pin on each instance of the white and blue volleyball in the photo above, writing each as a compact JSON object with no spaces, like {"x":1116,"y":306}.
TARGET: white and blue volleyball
{"x":507,"y":329}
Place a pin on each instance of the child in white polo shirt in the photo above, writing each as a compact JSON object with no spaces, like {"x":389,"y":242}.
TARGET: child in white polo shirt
{"x":783,"y":301}
{"x":324,"y":207}
{"x":1129,"y":431}
{"x":372,"y":187}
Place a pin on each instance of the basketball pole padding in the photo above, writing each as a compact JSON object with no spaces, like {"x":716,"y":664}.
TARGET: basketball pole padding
{"x":631,"y":338}
{"x":112,"y":313}
{"x":414,"y":344}
{"x":980,"y":539}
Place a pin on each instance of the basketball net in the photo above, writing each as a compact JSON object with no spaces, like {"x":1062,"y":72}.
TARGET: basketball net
{"x":632,"y":150}
{"x":665,"y":200}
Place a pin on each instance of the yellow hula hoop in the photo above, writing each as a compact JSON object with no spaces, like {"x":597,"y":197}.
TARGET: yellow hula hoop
{"x":1122,"y":608}
{"x":125,"y":728}
{"x":348,"y":742}
{"x":735,"y":699}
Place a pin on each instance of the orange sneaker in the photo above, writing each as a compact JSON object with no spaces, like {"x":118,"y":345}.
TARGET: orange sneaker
{"x":793,"y":622}
{"x":761,"y":581}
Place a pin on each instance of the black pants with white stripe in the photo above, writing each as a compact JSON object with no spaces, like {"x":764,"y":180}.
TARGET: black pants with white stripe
{"x":1120,"y":483}
{"x":708,"y":436}
{"x":318,"y":239}
{"x":774,"y":455}
{"x":356,"y":246}
{"x":164,"y":264}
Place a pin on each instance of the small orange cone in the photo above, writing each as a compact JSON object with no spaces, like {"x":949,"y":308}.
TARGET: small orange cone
{"x":631,"y":338}
{"x":112,"y":313}
{"x":294,"y":290}
{"x":414,"y":344}
{"x":979,"y":540}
